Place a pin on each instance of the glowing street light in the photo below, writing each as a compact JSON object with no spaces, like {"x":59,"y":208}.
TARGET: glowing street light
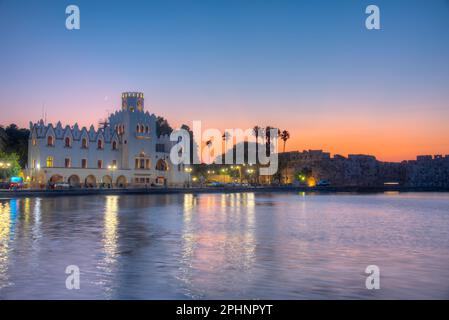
{"x":112,"y":168}
{"x":189,"y":171}
{"x":5,"y":165}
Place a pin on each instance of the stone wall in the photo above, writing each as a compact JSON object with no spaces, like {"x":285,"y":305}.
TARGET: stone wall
{"x":365,"y":170}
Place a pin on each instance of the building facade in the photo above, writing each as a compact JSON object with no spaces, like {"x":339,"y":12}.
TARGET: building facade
{"x":125,"y":151}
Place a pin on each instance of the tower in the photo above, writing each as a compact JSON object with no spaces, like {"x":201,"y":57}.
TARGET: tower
{"x":132,"y":101}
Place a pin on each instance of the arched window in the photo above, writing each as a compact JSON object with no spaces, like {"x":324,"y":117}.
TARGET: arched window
{"x":100,"y":144}
{"x":67,"y":142}
{"x":138,"y":128}
{"x":161,"y":165}
{"x":141,"y":128}
{"x":147,"y":129}
{"x":50,"y":141}
{"x":84,"y":143}
{"x":114,"y":145}
{"x":49,"y":162}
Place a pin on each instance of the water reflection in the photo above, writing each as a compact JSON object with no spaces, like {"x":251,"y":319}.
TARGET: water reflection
{"x":107,"y":266}
{"x":5,"y":221}
{"x":221,"y":246}
{"x":218,"y":246}
{"x":110,"y":230}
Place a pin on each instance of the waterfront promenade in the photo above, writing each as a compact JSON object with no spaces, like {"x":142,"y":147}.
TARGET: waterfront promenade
{"x":119,"y":191}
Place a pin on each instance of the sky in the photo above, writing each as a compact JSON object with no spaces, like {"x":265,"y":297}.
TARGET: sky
{"x":310,"y":67}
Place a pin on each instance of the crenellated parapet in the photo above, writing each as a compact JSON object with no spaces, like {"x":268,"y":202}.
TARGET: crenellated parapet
{"x":39,"y":130}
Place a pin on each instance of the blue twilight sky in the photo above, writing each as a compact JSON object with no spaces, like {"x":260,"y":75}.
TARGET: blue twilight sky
{"x":307,"y":66}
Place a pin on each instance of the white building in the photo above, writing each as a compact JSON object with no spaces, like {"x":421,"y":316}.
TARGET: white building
{"x":125,"y":152}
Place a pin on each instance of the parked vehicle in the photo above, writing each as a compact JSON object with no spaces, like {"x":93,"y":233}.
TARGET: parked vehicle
{"x":61,"y":185}
{"x":215,"y":184}
{"x":15,"y":183}
{"x":323,"y":183}
{"x":4,"y":185}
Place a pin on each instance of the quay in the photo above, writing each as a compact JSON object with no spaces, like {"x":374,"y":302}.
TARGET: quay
{"x":261,"y":189}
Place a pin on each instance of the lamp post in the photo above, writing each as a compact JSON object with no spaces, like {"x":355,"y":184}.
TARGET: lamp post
{"x":112,"y":168}
{"x":250,"y":172}
{"x":189,"y":171}
{"x":4,"y":166}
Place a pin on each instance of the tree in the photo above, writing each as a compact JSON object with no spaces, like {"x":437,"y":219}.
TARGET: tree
{"x":268,"y":138}
{"x":163,"y":127}
{"x":193,"y":145}
{"x":13,"y":167}
{"x":3,"y":139}
{"x":285,"y":135}
{"x":256,"y":131}
{"x":17,"y":142}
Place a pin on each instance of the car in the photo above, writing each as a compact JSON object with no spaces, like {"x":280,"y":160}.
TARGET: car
{"x":61,"y":185}
{"x":215,"y":184}
{"x":323,"y":183}
{"x":4,"y":185}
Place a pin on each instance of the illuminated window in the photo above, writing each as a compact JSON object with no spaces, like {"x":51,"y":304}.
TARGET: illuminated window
{"x":67,"y":163}
{"x":49,"y":162}
{"x":33,"y":164}
{"x":84,"y":143}
{"x":34,"y":142}
{"x":50,"y":141}
{"x":100,"y":164}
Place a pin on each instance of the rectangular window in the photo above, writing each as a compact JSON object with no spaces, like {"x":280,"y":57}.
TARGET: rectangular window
{"x":100,"y":164}
{"x":136,"y":166}
{"x":147,"y":164}
{"x":33,"y":164}
{"x":67,"y":163}
{"x":49,"y":162}
{"x":142,"y":164}
{"x":84,"y":163}
{"x":160,"y":147}
{"x":114,"y":163}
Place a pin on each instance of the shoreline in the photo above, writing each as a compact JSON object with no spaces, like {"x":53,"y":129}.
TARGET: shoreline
{"x":150,"y":191}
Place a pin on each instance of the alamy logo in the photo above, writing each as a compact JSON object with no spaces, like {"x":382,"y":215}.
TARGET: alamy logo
{"x":372,"y":22}
{"x":72,"y":22}
{"x":73,"y":280}
{"x":373,"y":280}
{"x":213,"y":144}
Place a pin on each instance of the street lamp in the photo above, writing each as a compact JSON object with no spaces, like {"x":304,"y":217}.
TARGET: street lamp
{"x":188,"y":170}
{"x":250,"y":172}
{"x":4,"y":165}
{"x":112,"y":168}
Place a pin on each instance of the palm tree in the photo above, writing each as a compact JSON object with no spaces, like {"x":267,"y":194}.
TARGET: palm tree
{"x":209,"y":145}
{"x":226,"y":136}
{"x":268,"y":137}
{"x":256,"y":131}
{"x":285,"y":135}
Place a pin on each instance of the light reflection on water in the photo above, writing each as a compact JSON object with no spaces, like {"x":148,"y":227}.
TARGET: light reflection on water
{"x":237,"y":245}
